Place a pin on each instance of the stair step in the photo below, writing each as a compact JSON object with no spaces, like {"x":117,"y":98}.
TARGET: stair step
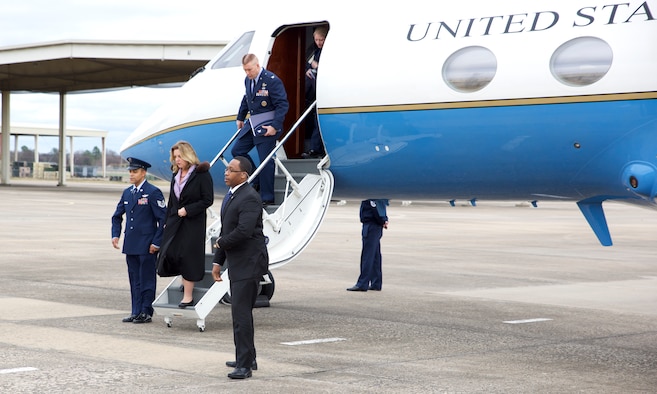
{"x":301,"y":166}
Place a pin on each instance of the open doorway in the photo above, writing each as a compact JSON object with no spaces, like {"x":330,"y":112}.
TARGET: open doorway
{"x":293,"y":46}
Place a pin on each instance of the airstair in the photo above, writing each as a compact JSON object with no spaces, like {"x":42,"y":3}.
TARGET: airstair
{"x":303,"y":189}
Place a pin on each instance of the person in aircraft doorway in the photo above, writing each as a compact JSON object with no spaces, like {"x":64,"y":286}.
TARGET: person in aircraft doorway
{"x":316,"y":145}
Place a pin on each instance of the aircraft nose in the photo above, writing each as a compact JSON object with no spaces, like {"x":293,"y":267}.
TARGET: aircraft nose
{"x":641,"y":178}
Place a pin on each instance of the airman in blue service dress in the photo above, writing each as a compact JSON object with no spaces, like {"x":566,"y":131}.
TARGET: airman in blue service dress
{"x":265,"y":93}
{"x":145,"y":209}
{"x":374,"y":218}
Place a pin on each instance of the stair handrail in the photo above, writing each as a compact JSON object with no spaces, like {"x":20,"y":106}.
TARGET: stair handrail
{"x":271,"y":154}
{"x":295,"y":126}
{"x":212,"y":230}
{"x":220,"y":155}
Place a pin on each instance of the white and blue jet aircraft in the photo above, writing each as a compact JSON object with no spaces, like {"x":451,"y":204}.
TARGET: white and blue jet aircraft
{"x":429,"y":100}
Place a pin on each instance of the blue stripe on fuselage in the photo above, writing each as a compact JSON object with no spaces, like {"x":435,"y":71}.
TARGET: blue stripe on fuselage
{"x":207,"y":140}
{"x":506,"y":152}
{"x":503,"y":152}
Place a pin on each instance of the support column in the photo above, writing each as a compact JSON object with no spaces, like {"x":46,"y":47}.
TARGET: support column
{"x":36,"y":148}
{"x":62,"y":139}
{"x":71,"y":157}
{"x":104,"y":153}
{"x":15,"y":147}
{"x":6,"y":131}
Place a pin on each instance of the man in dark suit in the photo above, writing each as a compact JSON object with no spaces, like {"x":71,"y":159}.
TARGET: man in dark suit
{"x":145,"y":210}
{"x":242,"y":244}
{"x":265,"y":98}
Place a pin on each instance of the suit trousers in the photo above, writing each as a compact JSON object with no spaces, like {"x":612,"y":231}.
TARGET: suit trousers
{"x":243,"y":295}
{"x":142,"y":276}
{"x":264,"y":147}
{"x":370,"y":259}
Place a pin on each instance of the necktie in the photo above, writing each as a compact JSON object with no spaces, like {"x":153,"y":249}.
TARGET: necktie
{"x":252,"y":86}
{"x":226,"y":199}
{"x":134,"y":192}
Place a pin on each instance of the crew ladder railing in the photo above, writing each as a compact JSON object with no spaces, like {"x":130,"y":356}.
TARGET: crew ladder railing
{"x":289,"y":228}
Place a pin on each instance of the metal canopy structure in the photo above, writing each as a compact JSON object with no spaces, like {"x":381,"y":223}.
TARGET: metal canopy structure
{"x":37,"y":131}
{"x":78,"y":66}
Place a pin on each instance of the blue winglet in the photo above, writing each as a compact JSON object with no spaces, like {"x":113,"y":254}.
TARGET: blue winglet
{"x":595,"y":215}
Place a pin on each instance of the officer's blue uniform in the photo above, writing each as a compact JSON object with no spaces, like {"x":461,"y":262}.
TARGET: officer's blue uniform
{"x":373,"y":216}
{"x":145,"y":212}
{"x":268,"y":95}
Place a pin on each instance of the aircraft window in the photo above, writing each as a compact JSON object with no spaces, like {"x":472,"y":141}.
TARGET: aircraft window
{"x":581,"y":61}
{"x":233,"y":56}
{"x":470,"y":69}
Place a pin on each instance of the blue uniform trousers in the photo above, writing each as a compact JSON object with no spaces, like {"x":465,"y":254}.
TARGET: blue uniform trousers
{"x":264,"y":147}
{"x":370,"y":258}
{"x":142,"y":276}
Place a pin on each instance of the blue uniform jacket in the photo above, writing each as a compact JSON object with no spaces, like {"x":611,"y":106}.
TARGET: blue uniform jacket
{"x":269,"y":95}
{"x":145,"y":214}
{"x":373,"y":211}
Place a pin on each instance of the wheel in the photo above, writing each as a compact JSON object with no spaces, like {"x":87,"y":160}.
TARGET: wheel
{"x":201,"y":329}
{"x":225,"y":299}
{"x":268,"y":289}
{"x":263,"y":290}
{"x":168,"y":321}
{"x":169,"y":325}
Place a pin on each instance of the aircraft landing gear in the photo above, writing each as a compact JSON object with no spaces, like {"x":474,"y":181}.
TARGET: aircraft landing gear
{"x":265,"y":291}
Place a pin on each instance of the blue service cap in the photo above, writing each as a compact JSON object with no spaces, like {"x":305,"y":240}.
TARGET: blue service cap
{"x":134,"y":164}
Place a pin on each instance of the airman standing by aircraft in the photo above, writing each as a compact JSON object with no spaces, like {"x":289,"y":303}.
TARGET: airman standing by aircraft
{"x":374,"y":218}
{"x":144,"y":207}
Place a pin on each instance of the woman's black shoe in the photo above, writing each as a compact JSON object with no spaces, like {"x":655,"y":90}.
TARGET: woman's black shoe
{"x":186,"y":304}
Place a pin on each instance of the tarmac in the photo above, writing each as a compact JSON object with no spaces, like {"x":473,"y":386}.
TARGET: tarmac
{"x":498,"y":298}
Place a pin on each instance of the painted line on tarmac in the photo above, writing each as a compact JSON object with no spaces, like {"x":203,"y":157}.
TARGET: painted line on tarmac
{"x":526,"y":321}
{"x":312,"y":341}
{"x":15,"y":370}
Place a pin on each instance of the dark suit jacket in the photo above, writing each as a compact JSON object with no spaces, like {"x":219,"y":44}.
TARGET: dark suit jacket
{"x":241,"y":241}
{"x":269,"y":95}
{"x":145,"y":214}
{"x":183,"y":244}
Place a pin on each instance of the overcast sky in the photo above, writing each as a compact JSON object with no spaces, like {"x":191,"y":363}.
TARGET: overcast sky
{"x":118,"y":112}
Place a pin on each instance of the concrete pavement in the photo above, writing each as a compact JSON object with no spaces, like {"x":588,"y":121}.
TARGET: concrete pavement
{"x":498,"y":298}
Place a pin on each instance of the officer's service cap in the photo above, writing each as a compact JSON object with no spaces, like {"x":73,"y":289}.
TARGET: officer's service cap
{"x":134,"y":164}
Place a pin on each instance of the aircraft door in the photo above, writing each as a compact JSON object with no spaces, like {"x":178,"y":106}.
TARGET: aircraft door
{"x":289,"y":55}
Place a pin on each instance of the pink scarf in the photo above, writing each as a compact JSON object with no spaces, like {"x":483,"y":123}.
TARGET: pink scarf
{"x":179,"y":184}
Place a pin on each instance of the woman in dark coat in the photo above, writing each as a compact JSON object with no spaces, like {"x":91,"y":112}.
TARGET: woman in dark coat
{"x":183,"y":242}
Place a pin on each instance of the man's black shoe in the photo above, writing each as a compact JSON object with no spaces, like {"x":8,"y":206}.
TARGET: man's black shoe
{"x":240,"y":373}
{"x":356,"y":288}
{"x":129,"y":319}
{"x":233,"y":364}
{"x":311,"y":154}
{"x":143,"y":318}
